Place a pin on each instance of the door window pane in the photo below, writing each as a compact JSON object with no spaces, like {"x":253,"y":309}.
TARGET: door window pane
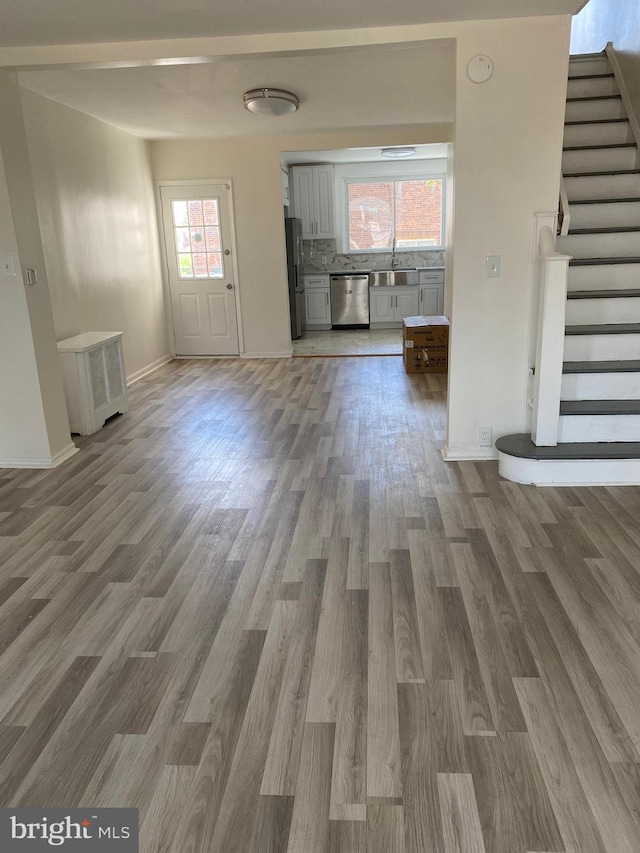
{"x":180,"y":216}
{"x":212,"y":238}
{"x":195,"y":212}
{"x":214,"y":261}
{"x":198,"y":238}
{"x":210,"y":206}
{"x":183,"y":241}
{"x":185,"y":266}
{"x":200,"y":265}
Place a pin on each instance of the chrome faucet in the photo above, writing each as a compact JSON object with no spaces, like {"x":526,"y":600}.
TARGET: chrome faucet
{"x":393,"y":253}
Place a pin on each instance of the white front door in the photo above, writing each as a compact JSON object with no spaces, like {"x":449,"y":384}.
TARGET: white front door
{"x":201,"y":281}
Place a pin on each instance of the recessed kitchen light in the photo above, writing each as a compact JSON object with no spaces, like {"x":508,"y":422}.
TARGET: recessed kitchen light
{"x":398,"y":152}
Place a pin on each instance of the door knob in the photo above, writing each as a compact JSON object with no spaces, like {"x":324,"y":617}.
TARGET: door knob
{"x":227,"y":251}
{"x":229,"y":287}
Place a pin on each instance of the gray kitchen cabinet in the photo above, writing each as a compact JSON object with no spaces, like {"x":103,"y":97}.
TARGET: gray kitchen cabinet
{"x":431,"y":292}
{"x":313,"y":201}
{"x":389,"y":305}
{"x":317,"y":302}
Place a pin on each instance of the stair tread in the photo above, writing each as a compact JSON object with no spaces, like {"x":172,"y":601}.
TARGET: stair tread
{"x":600,"y":407}
{"x":604,"y":294}
{"x":614,"y":229}
{"x":594,"y":98}
{"x":606,"y":146}
{"x":588,"y":262}
{"x":603,"y":329}
{"x":580,"y":57}
{"x":632,"y":366}
{"x":598,"y":121}
{"x":626,"y":200}
{"x":591,"y":76}
{"x":520,"y":445}
{"x":602,"y":173}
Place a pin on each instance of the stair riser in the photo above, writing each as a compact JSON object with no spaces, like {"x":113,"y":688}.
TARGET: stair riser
{"x":601,"y":347}
{"x":604,"y":277}
{"x":589,"y":66}
{"x":592,"y":110}
{"x":600,"y":386}
{"x":617,"y":245}
{"x":605,"y":215}
{"x":603,"y":186}
{"x":592,"y":88}
{"x":610,"y":310}
{"x":599,"y":428}
{"x":597,"y":134}
{"x":599,"y":160}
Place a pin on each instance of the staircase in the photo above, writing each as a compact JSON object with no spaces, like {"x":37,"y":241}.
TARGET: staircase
{"x":599,"y":419}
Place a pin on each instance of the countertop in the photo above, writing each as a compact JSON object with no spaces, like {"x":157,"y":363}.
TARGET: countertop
{"x":343,"y":271}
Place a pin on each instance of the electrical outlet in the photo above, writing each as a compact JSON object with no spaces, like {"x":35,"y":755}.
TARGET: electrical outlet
{"x":492,"y":266}
{"x":484,"y":437}
{"x":324,"y":259}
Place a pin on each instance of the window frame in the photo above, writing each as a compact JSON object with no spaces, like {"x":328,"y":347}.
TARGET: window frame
{"x":384,"y":173}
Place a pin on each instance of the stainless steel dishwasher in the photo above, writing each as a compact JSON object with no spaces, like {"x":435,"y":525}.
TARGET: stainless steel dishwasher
{"x":350,"y":301}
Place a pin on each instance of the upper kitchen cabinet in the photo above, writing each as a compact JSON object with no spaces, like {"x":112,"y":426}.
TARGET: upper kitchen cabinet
{"x":313,"y":201}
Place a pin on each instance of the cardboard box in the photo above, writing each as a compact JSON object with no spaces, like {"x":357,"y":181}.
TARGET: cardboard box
{"x":425,"y":344}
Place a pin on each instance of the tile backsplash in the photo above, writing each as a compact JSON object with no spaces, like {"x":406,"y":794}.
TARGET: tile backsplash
{"x":321,"y":256}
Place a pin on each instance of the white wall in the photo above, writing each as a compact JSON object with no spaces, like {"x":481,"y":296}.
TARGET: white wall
{"x":34,"y":429}
{"x":508,"y":147}
{"x":96,"y":207}
{"x":253,"y":165}
{"x":616,"y":21}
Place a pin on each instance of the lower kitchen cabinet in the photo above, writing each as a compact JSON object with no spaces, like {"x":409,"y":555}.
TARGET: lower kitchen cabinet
{"x":389,"y":305}
{"x":317,"y":308}
{"x":431,"y":300}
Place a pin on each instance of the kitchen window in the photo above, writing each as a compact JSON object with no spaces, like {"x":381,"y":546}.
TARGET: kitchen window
{"x":394,"y":213}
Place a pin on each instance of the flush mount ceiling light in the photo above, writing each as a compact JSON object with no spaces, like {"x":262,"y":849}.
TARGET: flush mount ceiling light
{"x":270,"y":102}
{"x":398,"y":152}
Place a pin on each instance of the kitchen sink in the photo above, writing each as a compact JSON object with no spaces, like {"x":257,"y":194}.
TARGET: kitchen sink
{"x":394,"y":278}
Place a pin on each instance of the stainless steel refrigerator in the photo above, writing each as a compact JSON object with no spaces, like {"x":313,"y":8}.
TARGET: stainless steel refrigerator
{"x":293,"y":230}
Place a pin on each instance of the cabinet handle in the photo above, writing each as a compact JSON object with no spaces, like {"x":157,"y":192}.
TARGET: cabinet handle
{"x":327,"y":296}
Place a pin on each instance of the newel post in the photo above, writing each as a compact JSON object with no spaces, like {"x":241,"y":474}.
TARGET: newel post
{"x":550,"y":342}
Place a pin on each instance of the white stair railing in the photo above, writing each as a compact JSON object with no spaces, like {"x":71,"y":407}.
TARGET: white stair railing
{"x":550,"y":341}
{"x":564,"y":213}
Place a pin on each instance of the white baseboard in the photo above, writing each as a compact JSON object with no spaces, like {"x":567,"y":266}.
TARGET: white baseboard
{"x":285,"y":354}
{"x":145,"y":371}
{"x":39,"y":461}
{"x":570,"y":472}
{"x":612,"y":56}
{"x":482,"y":454}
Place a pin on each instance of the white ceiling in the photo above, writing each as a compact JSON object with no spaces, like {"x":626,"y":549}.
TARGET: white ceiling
{"x":346,"y":88}
{"x":139,"y":67}
{"x":38,"y":22}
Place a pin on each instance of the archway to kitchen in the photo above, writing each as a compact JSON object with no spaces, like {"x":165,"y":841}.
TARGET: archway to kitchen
{"x":366,"y":232}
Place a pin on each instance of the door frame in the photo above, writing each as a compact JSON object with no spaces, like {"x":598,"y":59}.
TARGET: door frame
{"x":166,"y":288}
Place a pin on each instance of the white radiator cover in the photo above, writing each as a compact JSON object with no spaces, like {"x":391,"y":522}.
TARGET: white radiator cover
{"x":94,"y":380}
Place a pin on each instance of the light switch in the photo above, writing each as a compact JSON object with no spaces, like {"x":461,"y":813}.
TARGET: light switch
{"x":7,"y":266}
{"x":492,"y":269}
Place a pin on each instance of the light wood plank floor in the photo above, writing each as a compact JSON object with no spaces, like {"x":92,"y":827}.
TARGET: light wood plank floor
{"x":263,"y":610}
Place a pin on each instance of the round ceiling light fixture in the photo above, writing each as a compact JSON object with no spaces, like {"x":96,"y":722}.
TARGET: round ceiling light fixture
{"x":405,"y":151}
{"x":270,"y":102}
